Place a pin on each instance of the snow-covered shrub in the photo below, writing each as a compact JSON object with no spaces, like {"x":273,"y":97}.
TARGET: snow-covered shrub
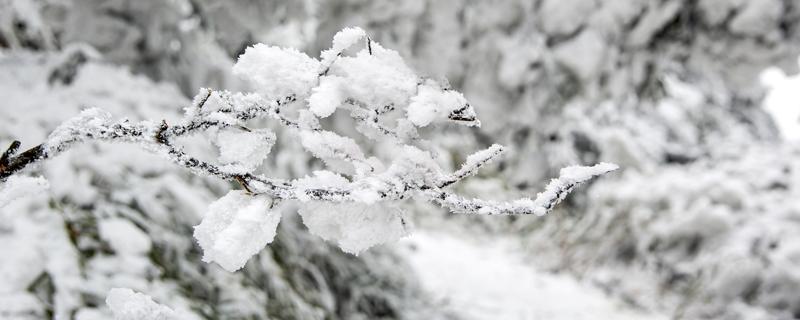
{"x":380,"y":93}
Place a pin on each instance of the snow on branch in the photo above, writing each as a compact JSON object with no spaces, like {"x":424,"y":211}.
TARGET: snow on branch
{"x":554,"y":192}
{"x":473,"y":164}
{"x":357,"y":192}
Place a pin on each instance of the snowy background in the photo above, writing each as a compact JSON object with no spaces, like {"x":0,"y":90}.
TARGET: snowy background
{"x":697,"y":101}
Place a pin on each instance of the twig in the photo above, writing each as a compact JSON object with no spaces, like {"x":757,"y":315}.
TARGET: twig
{"x":12,"y":149}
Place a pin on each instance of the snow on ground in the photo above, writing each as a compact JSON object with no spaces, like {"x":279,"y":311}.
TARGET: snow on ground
{"x":490,"y":280}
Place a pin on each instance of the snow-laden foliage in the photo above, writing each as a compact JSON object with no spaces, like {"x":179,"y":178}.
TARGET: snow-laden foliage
{"x":355,"y":226}
{"x":243,"y":150}
{"x":236,"y":227}
{"x":375,"y":84}
{"x":277,"y":72}
{"x":343,"y":39}
{"x":434,"y":102}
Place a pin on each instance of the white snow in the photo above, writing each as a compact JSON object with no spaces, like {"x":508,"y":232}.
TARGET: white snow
{"x":553,"y":192}
{"x":432,"y":103}
{"x":214,"y":107}
{"x":326,"y":97}
{"x":583,"y":173}
{"x":129,"y":305}
{"x":355,"y":227}
{"x":201,"y":97}
{"x":277,"y":72}
{"x":782,"y":101}
{"x":482,"y":156}
{"x":414,"y":166}
{"x":330,"y":147}
{"x":124,"y":237}
{"x":686,"y":94}
{"x":572,"y":54}
{"x":477,"y":160}
{"x":756,"y":18}
{"x":378,"y":79}
{"x":245,"y":149}
{"x":366,"y":195}
{"x":19,"y":303}
{"x":29,"y":263}
{"x":491,"y":280}
{"x":19,"y":186}
{"x":562,"y":17}
{"x":341,"y":41}
{"x":326,"y":144}
{"x":347,"y":37}
{"x":319,"y":179}
{"x":236,"y":227}
{"x":89,"y":121}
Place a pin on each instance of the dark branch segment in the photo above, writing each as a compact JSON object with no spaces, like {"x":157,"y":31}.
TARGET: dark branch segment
{"x":11,"y":164}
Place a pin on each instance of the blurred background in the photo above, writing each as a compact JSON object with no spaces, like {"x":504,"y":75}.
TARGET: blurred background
{"x":696,"y":100}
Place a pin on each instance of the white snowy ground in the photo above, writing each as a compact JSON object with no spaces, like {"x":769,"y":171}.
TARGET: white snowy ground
{"x":491,"y":280}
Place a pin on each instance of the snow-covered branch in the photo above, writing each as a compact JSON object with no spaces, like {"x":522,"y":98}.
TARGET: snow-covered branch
{"x":387,"y":100}
{"x":473,"y":164}
{"x":554,"y":192}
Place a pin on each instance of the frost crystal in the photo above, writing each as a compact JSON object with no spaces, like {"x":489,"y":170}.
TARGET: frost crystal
{"x":89,"y":122}
{"x":129,"y":305}
{"x":236,"y":227}
{"x":355,"y":227}
{"x":277,"y":72}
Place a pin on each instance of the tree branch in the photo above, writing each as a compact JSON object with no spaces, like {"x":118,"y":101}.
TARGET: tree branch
{"x":413,"y":173}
